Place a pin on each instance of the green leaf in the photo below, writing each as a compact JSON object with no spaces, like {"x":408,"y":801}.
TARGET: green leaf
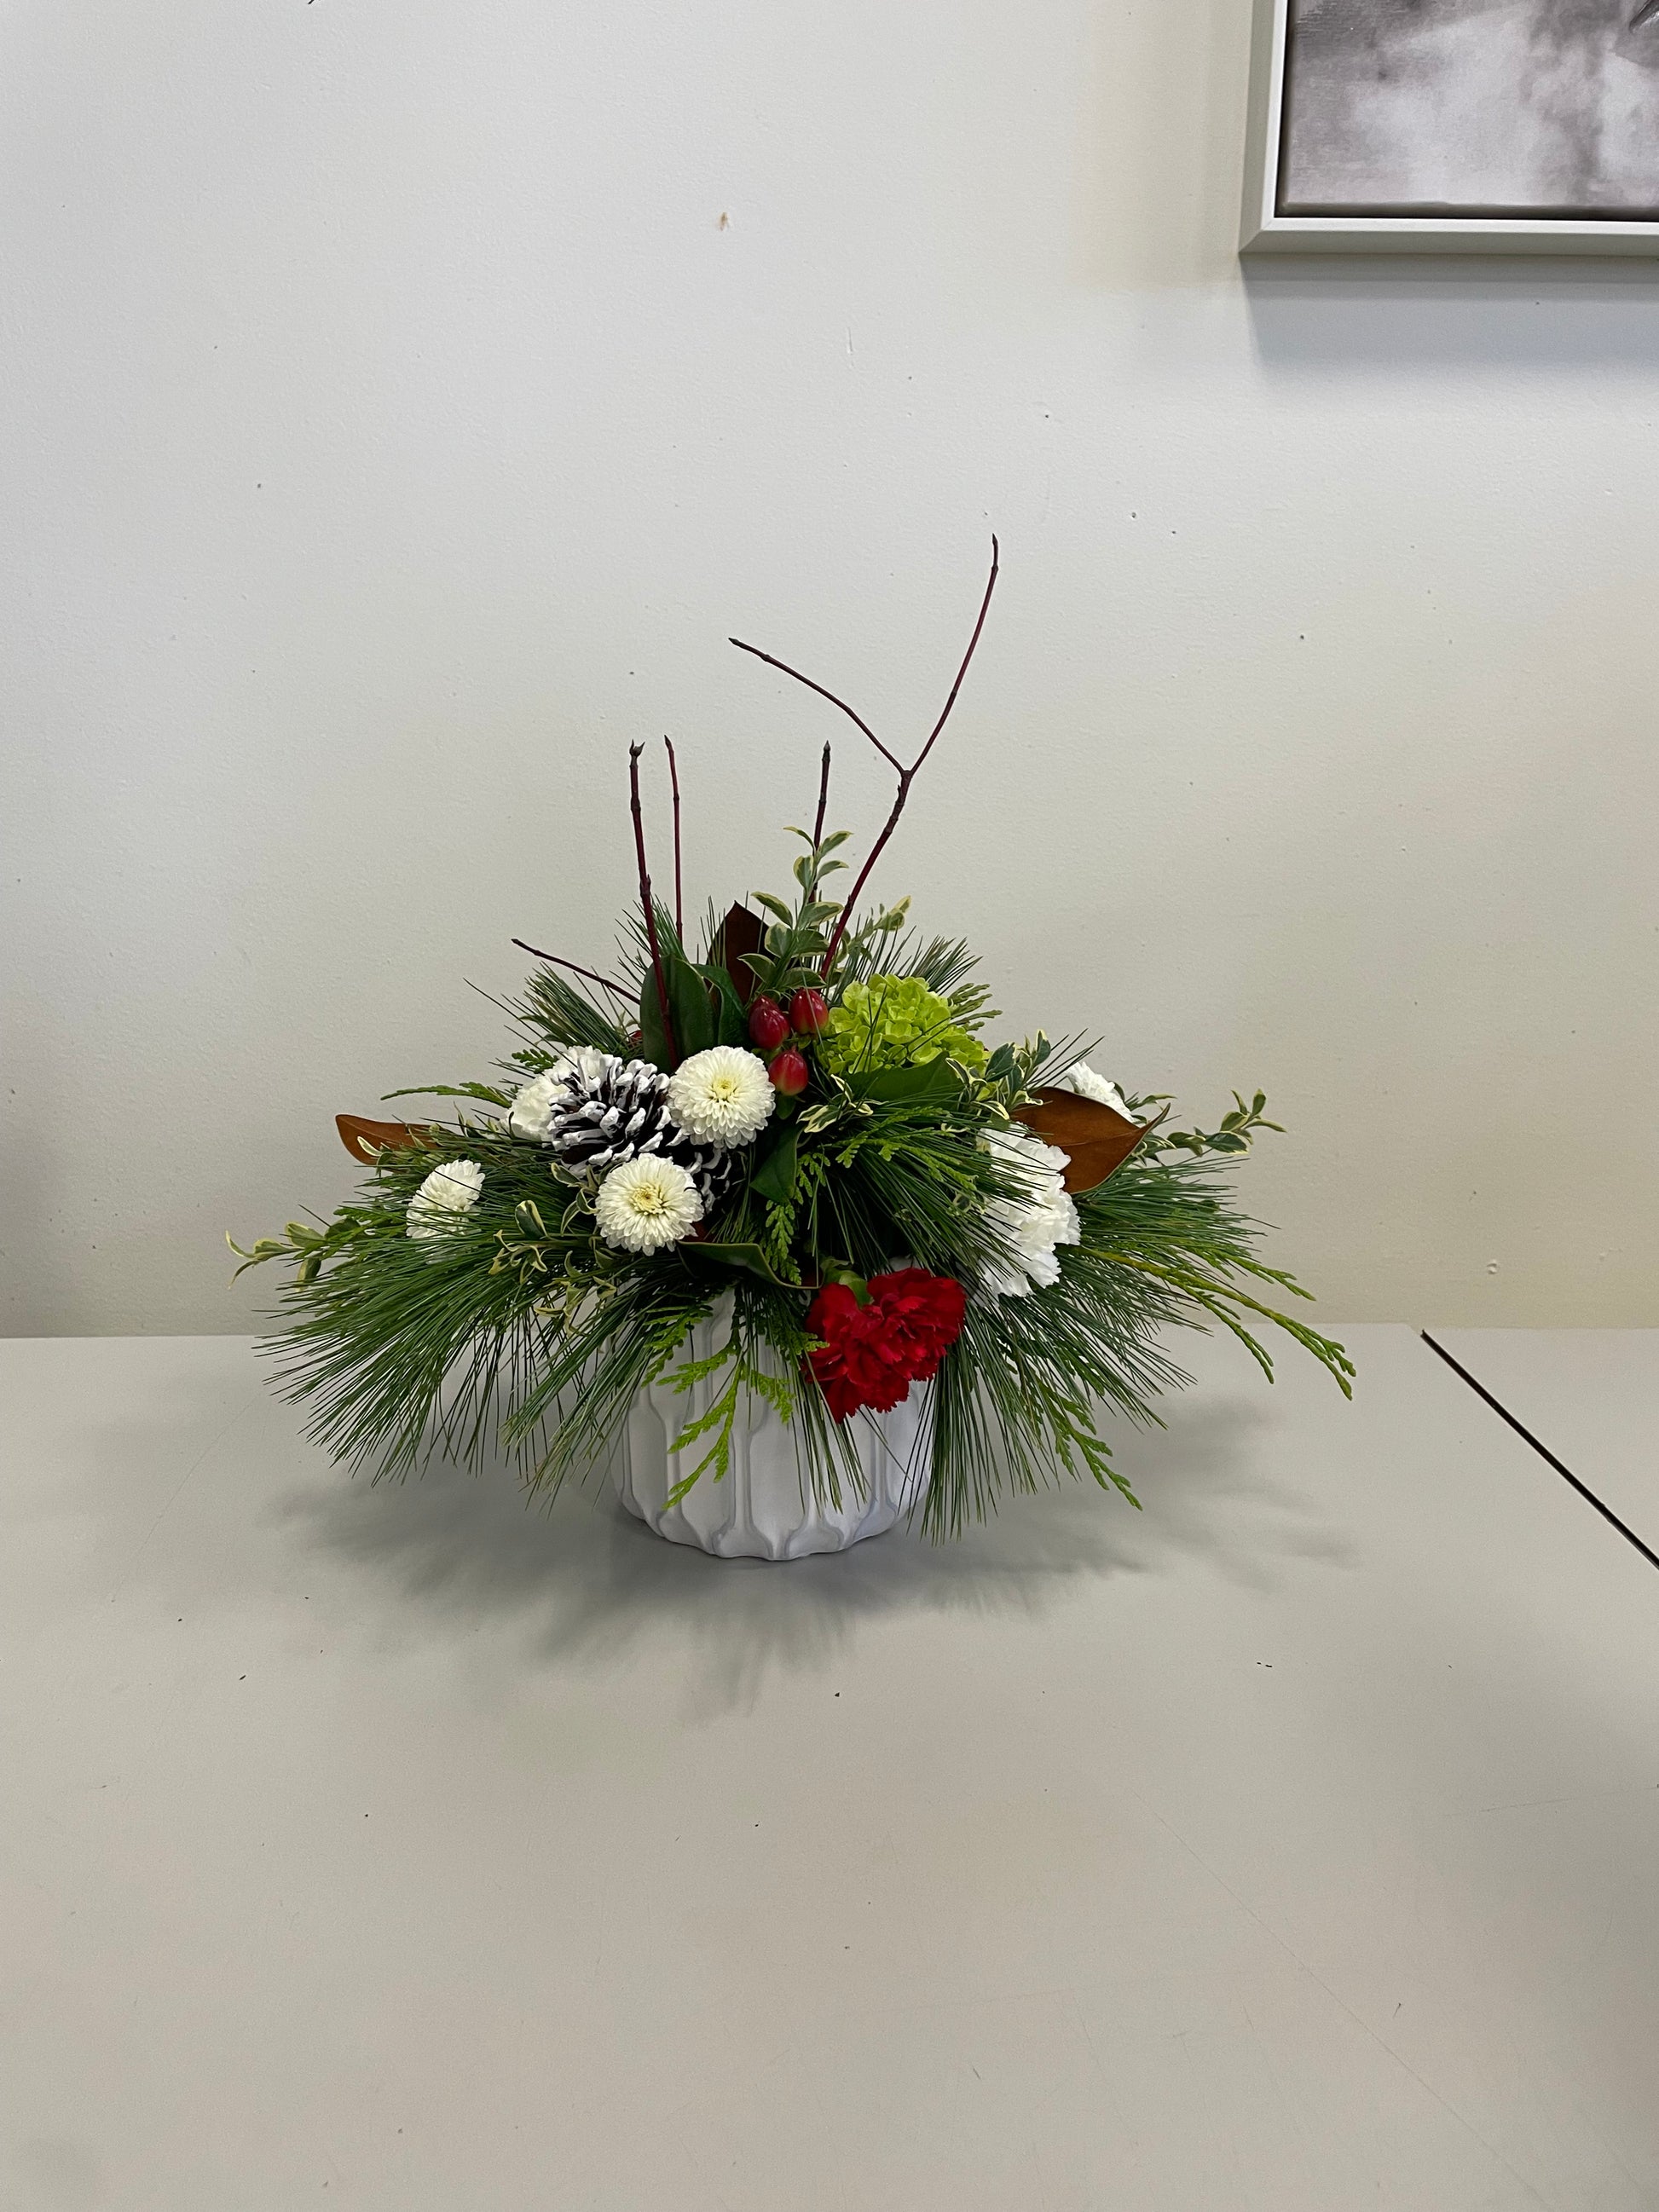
{"x":731,"y":1025}
{"x":929,"y":1081}
{"x":1228,"y":1140}
{"x":775,"y":905}
{"x":774,"y":1178}
{"x":654,"y":1036}
{"x":747,"y":1258}
{"x":691,"y":1005}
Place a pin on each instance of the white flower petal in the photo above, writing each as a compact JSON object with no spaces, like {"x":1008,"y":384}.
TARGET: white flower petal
{"x":1081,"y":1079}
{"x":530,"y":1115}
{"x":723,"y":1096}
{"x":1032,"y":1224}
{"x":646,"y":1203}
{"x":448,"y":1194}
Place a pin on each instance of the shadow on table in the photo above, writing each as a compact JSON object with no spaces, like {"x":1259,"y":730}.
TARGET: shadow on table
{"x":591,"y":1582}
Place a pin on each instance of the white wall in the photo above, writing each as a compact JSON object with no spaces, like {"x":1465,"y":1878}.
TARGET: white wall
{"x":403,"y":401}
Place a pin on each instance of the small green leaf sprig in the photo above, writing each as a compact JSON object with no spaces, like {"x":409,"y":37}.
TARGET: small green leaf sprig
{"x":1237,"y":1133}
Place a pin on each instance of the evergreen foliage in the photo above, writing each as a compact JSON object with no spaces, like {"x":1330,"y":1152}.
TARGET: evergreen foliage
{"x":888,"y":1146}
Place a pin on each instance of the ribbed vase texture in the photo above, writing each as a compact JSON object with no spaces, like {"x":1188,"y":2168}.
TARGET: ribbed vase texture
{"x":762,"y":1507}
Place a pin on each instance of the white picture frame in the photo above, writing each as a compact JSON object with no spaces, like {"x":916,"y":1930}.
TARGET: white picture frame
{"x":1267,"y":230}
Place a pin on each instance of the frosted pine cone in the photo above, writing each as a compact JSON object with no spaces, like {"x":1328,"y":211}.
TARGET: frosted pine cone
{"x":593,"y":1111}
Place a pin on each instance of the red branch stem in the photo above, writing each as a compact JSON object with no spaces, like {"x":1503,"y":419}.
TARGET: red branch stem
{"x":646,"y":901}
{"x":604,"y":981}
{"x":906,"y":775}
{"x":771,"y":661}
{"x":823,"y":800}
{"x":674,"y":779}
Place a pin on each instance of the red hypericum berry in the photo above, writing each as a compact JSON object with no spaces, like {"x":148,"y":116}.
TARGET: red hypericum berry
{"x":789,"y":1073}
{"x":809,"y":1011}
{"x":768,"y":1026}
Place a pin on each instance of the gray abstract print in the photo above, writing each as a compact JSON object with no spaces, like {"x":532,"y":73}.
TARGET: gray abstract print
{"x":1503,"y":107}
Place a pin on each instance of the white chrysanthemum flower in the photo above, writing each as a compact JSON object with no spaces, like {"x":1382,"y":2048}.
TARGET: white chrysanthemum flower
{"x":1080,"y":1077}
{"x":448,"y":1193}
{"x":723,"y":1096}
{"x":646,"y":1203}
{"x":531,"y":1115}
{"x":1032,"y":1224}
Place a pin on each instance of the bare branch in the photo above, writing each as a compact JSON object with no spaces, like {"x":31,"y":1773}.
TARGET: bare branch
{"x":771,"y":660}
{"x":674,"y":779}
{"x":907,"y":776}
{"x":973,"y":646}
{"x":604,"y":981}
{"x":646,"y":901}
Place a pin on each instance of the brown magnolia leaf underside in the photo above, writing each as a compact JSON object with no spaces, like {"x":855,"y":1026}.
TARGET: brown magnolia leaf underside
{"x":363,"y":1139}
{"x":741,"y":933}
{"x":1096,"y":1139}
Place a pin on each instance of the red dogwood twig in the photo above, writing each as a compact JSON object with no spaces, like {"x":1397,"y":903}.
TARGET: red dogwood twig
{"x":646,"y":901}
{"x":604,"y":981}
{"x":674,"y":782}
{"x":907,"y":776}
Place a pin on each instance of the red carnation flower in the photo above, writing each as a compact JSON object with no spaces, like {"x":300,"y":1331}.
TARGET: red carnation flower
{"x":922,"y":1314}
{"x":872,"y":1354}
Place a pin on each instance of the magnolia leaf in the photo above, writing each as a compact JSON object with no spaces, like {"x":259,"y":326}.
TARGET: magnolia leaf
{"x":366,"y":1140}
{"x":689,"y":1005}
{"x":774,"y":1178}
{"x":731,"y":1026}
{"x":653,"y":1034}
{"x":925,"y":1082}
{"x":739,"y":941}
{"x":1096,"y":1140}
{"x":747,"y":1258}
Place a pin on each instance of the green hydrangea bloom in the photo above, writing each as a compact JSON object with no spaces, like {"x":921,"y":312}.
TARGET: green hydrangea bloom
{"x":894,"y":1021}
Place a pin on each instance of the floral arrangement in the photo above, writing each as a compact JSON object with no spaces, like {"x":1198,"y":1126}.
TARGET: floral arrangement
{"x":793,"y":1118}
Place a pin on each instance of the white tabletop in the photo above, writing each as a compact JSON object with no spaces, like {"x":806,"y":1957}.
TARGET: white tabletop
{"x":1290,"y":1846}
{"x":1591,"y":1396}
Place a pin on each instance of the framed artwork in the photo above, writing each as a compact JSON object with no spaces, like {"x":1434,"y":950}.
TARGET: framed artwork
{"x":1436,"y":126}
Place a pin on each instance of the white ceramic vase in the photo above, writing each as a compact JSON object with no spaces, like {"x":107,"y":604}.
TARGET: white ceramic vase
{"x":762,"y":1507}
